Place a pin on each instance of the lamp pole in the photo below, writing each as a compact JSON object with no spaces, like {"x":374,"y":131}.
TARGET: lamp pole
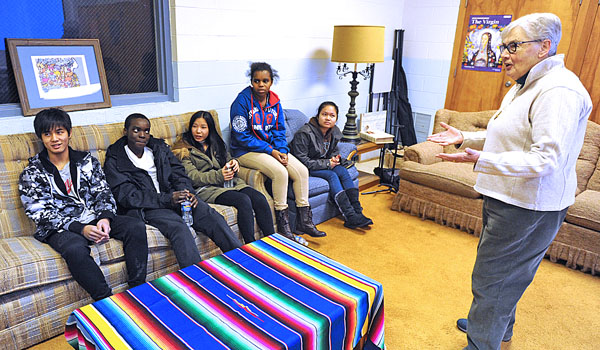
{"x":350,"y":132}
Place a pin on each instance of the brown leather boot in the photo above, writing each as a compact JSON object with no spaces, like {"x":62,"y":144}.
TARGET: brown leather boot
{"x":304,"y":223}
{"x":283,"y":223}
{"x":283,"y":227}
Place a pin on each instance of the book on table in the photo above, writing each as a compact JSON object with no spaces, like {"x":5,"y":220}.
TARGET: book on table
{"x":372,"y":126}
{"x":377,"y":136}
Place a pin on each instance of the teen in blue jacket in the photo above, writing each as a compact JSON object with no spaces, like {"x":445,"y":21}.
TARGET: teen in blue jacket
{"x":258,"y":142}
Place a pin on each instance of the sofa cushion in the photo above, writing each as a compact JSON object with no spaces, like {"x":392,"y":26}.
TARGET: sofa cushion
{"x":26,"y":262}
{"x":465,"y":121}
{"x":588,"y":167}
{"x":585,"y":211}
{"x":457,"y":178}
{"x":294,"y":119}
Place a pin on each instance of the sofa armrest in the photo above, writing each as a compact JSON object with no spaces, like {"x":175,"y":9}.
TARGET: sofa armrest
{"x":346,"y":149}
{"x":256,"y":180}
{"x":423,"y":153}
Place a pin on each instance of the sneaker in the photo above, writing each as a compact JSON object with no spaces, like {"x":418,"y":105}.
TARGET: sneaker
{"x":461,"y":324}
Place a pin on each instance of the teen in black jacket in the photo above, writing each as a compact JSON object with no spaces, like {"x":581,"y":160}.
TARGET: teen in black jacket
{"x":149,"y":182}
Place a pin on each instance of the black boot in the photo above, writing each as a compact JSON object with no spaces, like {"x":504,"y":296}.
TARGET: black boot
{"x":283,"y":226}
{"x":352,"y":194}
{"x":283,"y":223}
{"x":304,"y":223}
{"x":351,"y":219}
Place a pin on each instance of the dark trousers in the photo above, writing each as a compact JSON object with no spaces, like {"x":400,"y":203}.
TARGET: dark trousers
{"x":75,"y":249}
{"x":206,"y":220}
{"x":171,"y":225}
{"x":212,"y":224}
{"x":249,"y":203}
{"x":512,"y":245}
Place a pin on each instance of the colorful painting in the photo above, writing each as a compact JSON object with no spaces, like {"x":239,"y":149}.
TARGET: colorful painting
{"x":62,"y":76}
{"x":482,"y":44}
{"x":65,"y":73}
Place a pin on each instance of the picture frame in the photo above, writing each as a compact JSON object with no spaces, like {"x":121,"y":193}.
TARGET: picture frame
{"x":64,"y":73}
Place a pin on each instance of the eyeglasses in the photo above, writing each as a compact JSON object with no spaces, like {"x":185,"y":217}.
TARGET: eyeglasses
{"x":512,"y":47}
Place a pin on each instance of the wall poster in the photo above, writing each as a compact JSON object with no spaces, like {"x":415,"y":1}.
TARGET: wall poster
{"x":482,"y":45}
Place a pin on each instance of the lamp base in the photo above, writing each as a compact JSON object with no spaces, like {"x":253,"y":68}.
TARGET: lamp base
{"x":355,"y":139}
{"x":350,"y":132}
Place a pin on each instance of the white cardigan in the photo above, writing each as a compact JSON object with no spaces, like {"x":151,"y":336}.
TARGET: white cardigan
{"x":531,"y":144}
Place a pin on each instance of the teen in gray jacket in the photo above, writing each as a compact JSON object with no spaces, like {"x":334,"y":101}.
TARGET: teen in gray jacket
{"x":315,"y":145}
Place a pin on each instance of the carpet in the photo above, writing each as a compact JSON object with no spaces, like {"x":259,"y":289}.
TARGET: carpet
{"x":425,"y":270}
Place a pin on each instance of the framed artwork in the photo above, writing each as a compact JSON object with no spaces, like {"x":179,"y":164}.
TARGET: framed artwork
{"x":65,"y":73}
{"x":482,"y":44}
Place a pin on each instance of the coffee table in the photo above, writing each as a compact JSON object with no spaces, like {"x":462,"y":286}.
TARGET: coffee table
{"x":269,"y":294}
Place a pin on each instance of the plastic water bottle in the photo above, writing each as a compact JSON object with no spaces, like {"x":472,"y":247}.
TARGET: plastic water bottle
{"x":186,"y":213}
{"x":228,"y":183}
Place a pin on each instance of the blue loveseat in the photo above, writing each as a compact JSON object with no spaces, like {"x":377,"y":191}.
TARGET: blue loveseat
{"x":322,"y":205}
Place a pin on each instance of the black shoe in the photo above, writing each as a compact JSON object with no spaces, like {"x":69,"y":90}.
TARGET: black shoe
{"x":283,"y":224}
{"x":461,"y":324}
{"x":305,"y":223}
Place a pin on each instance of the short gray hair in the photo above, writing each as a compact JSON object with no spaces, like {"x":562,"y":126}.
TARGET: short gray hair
{"x":538,"y":26}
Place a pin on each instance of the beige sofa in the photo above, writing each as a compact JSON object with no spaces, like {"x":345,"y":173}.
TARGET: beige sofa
{"x":37,"y":292}
{"x":443,"y":192}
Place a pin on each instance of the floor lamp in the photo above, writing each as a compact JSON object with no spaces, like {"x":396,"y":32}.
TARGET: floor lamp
{"x":356,"y":44}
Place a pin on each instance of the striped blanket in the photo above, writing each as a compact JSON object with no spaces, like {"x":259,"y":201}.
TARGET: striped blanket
{"x":270,"y":294}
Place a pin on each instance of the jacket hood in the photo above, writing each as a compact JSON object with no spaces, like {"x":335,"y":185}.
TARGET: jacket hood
{"x":334,"y":132}
{"x":247,"y":95}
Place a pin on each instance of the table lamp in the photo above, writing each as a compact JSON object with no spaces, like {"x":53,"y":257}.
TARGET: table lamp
{"x":356,"y":44}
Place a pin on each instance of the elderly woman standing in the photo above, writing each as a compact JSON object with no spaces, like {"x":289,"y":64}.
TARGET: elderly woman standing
{"x":526,"y":172}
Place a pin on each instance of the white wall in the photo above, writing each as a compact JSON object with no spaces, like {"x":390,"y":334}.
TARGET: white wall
{"x":430,"y":26}
{"x":214,"y":41}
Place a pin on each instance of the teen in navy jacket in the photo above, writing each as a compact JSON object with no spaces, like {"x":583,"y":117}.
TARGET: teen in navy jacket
{"x":258,"y":142}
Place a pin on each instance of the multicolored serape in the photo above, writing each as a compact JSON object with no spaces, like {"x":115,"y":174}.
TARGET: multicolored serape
{"x":270,"y":294}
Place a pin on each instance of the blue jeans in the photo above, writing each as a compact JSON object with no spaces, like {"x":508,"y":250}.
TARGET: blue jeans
{"x":511,"y":247}
{"x":338,"y":178}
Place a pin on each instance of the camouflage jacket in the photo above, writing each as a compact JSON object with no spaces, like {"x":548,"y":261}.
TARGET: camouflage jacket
{"x":44,"y":197}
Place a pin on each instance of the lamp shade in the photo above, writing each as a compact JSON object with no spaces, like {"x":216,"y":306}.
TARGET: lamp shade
{"x":358,"y":44}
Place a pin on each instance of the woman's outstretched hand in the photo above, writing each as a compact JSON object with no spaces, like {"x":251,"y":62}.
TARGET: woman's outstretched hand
{"x":468,"y":156}
{"x":452,"y":136}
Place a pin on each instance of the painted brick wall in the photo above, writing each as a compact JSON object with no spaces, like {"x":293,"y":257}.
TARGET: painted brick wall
{"x":214,"y":41}
{"x":428,"y":40}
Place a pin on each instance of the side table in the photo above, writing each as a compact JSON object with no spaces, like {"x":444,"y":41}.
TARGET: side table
{"x":366,"y":180}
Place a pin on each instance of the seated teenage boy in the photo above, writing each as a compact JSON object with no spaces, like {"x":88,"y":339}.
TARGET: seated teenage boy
{"x":65,"y":193}
{"x":149,"y":182}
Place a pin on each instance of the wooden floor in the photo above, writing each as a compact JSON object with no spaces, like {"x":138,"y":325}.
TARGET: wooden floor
{"x":366,"y":180}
